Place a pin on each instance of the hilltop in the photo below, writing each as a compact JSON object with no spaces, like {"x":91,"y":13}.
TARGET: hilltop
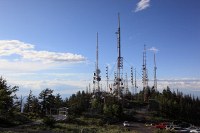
{"x":89,"y":110}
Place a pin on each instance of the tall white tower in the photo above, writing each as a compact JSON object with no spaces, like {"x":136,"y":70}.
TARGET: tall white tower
{"x":97,"y":77}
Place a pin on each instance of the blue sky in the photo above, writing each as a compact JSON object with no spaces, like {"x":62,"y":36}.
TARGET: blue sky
{"x":52,"y":44}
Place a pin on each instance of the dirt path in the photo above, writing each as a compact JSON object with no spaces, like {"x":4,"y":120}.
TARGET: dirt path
{"x":141,"y":128}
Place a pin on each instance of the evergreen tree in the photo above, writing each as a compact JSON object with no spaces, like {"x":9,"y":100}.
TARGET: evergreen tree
{"x":35,"y":105}
{"x":28,"y":105}
{"x":46,"y":100}
{"x":58,"y":101}
{"x":7,"y":96}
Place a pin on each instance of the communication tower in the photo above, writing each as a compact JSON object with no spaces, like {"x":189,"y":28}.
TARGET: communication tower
{"x":145,"y":76}
{"x":126,"y":85}
{"x":132,"y":78}
{"x":155,"y":68}
{"x":135,"y":82}
{"x":107,"y":78}
{"x":118,"y":79}
{"x":97,"y":77}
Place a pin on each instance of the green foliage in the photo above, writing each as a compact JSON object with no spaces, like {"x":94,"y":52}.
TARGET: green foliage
{"x":175,"y":105}
{"x":78,"y":103}
{"x":96,"y":105}
{"x":4,"y":122}
{"x":13,"y":120}
{"x":28,"y":105}
{"x":47,"y":100}
{"x":114,"y":110}
{"x":7,"y":96}
{"x":129,"y":115}
{"x":108,"y":108}
{"x":117,"y":110}
{"x":153,"y":105}
{"x":49,"y":121}
{"x":31,"y":115}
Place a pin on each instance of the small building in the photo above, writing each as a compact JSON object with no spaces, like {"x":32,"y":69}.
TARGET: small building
{"x":63,"y":111}
{"x":62,"y":114}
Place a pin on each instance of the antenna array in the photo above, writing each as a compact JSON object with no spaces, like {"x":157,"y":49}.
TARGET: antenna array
{"x":144,"y":75}
{"x":97,"y":77}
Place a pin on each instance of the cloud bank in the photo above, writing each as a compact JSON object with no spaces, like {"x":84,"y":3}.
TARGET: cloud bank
{"x":185,"y":85}
{"x":62,"y":83}
{"x":27,"y":52}
{"x":25,"y":66}
{"x":142,"y":4}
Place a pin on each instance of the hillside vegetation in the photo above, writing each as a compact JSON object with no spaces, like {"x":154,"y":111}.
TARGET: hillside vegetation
{"x":97,"y":109}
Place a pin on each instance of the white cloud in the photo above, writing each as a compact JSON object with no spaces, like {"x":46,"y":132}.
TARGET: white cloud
{"x":64,"y":87}
{"x":24,"y":66}
{"x":185,"y":85}
{"x":17,"y":56}
{"x":46,"y":56}
{"x":9,"y":47}
{"x":65,"y":84}
{"x":143,"y":4}
{"x":181,"y":83}
{"x":27,"y":51}
{"x":154,"y":49}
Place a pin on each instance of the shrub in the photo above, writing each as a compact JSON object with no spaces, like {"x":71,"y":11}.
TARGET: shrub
{"x":31,"y":115}
{"x":49,"y":121}
{"x":5,"y":122}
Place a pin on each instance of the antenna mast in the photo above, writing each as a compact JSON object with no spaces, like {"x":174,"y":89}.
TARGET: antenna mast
{"x":155,"y":68}
{"x":119,"y":60}
{"x":135,"y":83}
{"x":107,"y":78}
{"x":145,"y":77}
{"x":126,"y":89}
{"x":97,"y":77}
{"x":132,"y":78}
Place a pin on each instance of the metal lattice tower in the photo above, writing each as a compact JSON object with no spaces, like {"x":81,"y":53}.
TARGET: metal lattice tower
{"x":118,"y":80}
{"x":132,"y":78}
{"x":155,"y":68}
{"x":126,"y":85}
{"x":97,"y":77}
{"x":89,"y":89}
{"x":145,"y":77}
{"x":135,"y":82}
{"x":107,"y":78}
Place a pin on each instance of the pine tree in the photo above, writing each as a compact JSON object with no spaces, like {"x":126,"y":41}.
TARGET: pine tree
{"x":7,"y":96}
